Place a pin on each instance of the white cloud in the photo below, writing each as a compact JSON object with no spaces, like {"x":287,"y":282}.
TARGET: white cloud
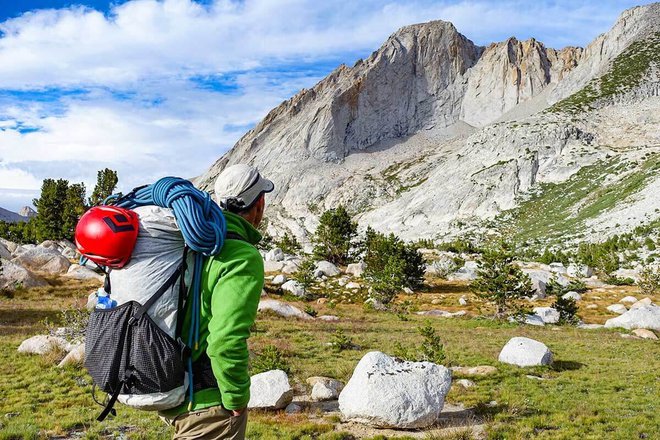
{"x":12,"y":178}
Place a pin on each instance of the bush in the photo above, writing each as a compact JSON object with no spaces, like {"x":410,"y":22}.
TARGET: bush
{"x":649,"y":280}
{"x":618,"y":281}
{"x":269,"y":358}
{"x":391,"y":265}
{"x":304,"y":275}
{"x":74,"y":322}
{"x":342,"y":342}
{"x":333,"y":240}
{"x":289,"y":244}
{"x":446,"y":266}
{"x":567,"y":308}
{"x":431,"y":349}
{"x":500,"y":280}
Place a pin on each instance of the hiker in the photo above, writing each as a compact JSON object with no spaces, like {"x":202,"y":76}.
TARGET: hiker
{"x":231,"y":287}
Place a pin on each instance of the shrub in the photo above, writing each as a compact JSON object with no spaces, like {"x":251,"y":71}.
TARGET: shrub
{"x":311,"y":311}
{"x":500,"y":280}
{"x":431,"y":349}
{"x":289,"y":244}
{"x":269,"y":358}
{"x":567,"y":308}
{"x":649,"y":280}
{"x":73,"y":321}
{"x":391,"y":265}
{"x":342,"y":342}
{"x":446,"y":266}
{"x":618,"y":281}
{"x":304,"y":275}
{"x":333,"y":240}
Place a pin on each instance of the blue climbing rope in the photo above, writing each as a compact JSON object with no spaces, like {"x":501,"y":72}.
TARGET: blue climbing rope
{"x":203,"y":227}
{"x":199,"y":218}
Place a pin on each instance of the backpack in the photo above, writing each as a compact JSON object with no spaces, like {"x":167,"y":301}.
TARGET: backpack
{"x":135,"y":351}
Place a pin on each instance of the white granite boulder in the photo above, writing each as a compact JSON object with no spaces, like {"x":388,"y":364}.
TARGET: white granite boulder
{"x":75,"y":357}
{"x":327,"y":268}
{"x":274,"y":254}
{"x":547,"y":314}
{"x":324,"y":388}
{"x":282,"y":309}
{"x":572,"y":295}
{"x":270,"y":390}
{"x":273,"y":266}
{"x":14,"y":275}
{"x":647,"y":317}
{"x":83,"y":273}
{"x":617,"y":308}
{"x":525,"y":352}
{"x":579,"y":271}
{"x":294,"y":288}
{"x":388,"y":392}
{"x":43,"y":260}
{"x":356,"y":269}
{"x":42,"y":344}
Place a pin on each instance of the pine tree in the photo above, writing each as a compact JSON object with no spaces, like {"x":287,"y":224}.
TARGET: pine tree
{"x":334,"y":235}
{"x":50,"y":206}
{"x":106,"y":182}
{"x":74,"y":207}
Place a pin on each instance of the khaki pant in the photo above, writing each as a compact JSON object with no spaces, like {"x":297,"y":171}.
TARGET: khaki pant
{"x":215,"y":423}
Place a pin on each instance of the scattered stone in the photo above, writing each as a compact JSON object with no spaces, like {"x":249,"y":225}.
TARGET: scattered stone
{"x":391,"y":393}
{"x":547,"y":314}
{"x":529,"y":376}
{"x":463,"y":300}
{"x":325,"y":388}
{"x":75,"y":357}
{"x":442,"y":313}
{"x":627,"y":336}
{"x":590,"y":326}
{"x":4,"y":252}
{"x":375,"y":304}
{"x":293,"y":408}
{"x":617,"y":308}
{"x":525,"y":352}
{"x":290,"y":267}
{"x":353,"y":286}
{"x":465,"y":383}
{"x":628,"y":299}
{"x":13,"y":276}
{"x":592,"y":306}
{"x":481,"y":370}
{"x":328,"y":318}
{"x":79,"y":272}
{"x":627,"y":273}
{"x":572,"y":295}
{"x":356,"y":269}
{"x":647,"y":317}
{"x":558,"y":268}
{"x":641,"y":303}
{"x":43,"y":260}
{"x":274,"y":254}
{"x":645,"y":334}
{"x":294,"y":288}
{"x":327,"y":268}
{"x":9,"y":245}
{"x":42,"y":344}
{"x":408,"y":291}
{"x":530,"y":320}
{"x":579,"y":271}
{"x":270,"y":390}
{"x":436,"y":301}
{"x":278,"y":280}
{"x":273,"y":266}
{"x":318,"y":273}
{"x":282,"y":309}
{"x":466,"y":273}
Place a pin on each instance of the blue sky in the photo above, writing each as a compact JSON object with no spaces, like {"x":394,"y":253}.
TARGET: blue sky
{"x":153,"y":88}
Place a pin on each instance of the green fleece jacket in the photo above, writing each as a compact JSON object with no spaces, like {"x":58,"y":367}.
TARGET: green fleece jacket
{"x":231,"y":287}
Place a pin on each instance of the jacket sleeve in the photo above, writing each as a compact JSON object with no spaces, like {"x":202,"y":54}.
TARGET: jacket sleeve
{"x":234,"y":308}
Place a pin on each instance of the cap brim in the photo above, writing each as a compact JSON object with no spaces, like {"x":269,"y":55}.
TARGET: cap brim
{"x":252,"y":194}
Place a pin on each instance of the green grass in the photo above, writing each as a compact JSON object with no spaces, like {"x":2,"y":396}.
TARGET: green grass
{"x":601,"y":386}
{"x":626,"y":73}
{"x":557,"y":211}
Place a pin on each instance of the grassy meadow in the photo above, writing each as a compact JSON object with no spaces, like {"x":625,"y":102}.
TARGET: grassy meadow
{"x":601,"y":385}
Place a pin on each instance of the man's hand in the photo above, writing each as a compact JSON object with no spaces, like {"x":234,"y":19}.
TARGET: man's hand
{"x":237,"y":412}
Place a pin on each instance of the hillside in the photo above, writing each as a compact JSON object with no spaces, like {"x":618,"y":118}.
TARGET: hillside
{"x":433,"y":135}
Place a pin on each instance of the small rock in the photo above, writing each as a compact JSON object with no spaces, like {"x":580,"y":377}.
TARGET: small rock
{"x":617,"y":308}
{"x":572,"y":295}
{"x":353,"y":286}
{"x":75,"y":357}
{"x":641,"y":303}
{"x":465,"y":383}
{"x":441,"y":313}
{"x":547,"y":314}
{"x":356,"y":269}
{"x":274,"y":254}
{"x":328,"y":318}
{"x":270,"y":390}
{"x":463,"y":300}
{"x":278,"y":280}
{"x":83,"y":273}
{"x":627,"y":336}
{"x":628,"y":299}
{"x":327,"y":268}
{"x":592,"y":306}
{"x":408,"y":290}
{"x":293,"y":408}
{"x":525,"y":352}
{"x":375,"y":304}
{"x":645,"y":334}
{"x":294,"y":288}
{"x":273,"y":266}
{"x":290,"y":267}
{"x":529,"y":376}
{"x":436,"y":301}
{"x":481,"y":370}
{"x":325,"y":389}
{"x":282,"y":309}
{"x":590,"y":326}
{"x":42,"y":344}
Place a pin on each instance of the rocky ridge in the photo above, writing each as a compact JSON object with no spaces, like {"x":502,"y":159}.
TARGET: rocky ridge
{"x":433,"y":132}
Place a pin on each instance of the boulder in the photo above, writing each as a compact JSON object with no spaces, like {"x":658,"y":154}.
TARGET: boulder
{"x":14,"y":275}
{"x":290,"y":267}
{"x":293,"y":408}
{"x":70,"y":253}
{"x":647,"y":317}
{"x":356,"y":269}
{"x":279,"y":280}
{"x":282,"y":309}
{"x":4,"y":252}
{"x":481,"y":370}
{"x":525,"y":352}
{"x":43,"y":260}
{"x":558,"y":268}
{"x":529,"y":320}
{"x":617,"y":308}
{"x":466,"y":273}
{"x":465,"y":383}
{"x":50,"y":244}
{"x":590,"y":326}
{"x":391,"y":393}
{"x":42,"y":344}
{"x":547,"y":314}
{"x":628,"y":299}
{"x":353,"y":286}
{"x":627,"y":273}
{"x":641,"y":303}
{"x":324,"y":388}
{"x":327,"y":268}
{"x":579,"y":271}
{"x":83,"y":273}
{"x":75,"y":357}
{"x":294,"y":288}
{"x":9,"y":245}
{"x":572,"y":295}
{"x":273,"y":266}
{"x":270,"y":390}
{"x":274,"y":254}
{"x":328,"y":318}
{"x":441,"y":313}
{"x":645,"y":334}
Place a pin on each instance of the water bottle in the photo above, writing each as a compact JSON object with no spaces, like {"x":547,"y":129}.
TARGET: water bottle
{"x":104,"y":301}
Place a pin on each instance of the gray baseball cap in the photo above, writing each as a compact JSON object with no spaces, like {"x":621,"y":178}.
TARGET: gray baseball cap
{"x":239,"y":187}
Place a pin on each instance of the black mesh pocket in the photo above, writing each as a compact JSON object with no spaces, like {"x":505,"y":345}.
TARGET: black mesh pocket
{"x":135,"y":354}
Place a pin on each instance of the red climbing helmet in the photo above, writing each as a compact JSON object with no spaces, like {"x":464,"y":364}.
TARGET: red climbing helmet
{"x":107,"y":235}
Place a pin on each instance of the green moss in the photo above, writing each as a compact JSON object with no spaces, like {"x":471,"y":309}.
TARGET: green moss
{"x":626,"y":73}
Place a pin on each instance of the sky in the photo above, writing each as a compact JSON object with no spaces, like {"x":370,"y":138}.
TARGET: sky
{"x":164,"y":87}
